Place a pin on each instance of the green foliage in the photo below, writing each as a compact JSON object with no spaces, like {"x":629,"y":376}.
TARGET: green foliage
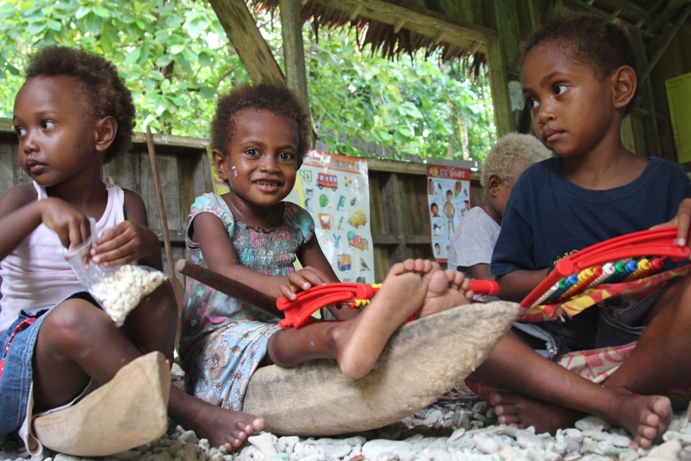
{"x":174,"y":56}
{"x":412,"y":104}
{"x":176,"y":59}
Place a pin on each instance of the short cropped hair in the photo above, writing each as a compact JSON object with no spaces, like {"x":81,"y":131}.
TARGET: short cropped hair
{"x":592,"y":40}
{"x":106,"y":92}
{"x":510,"y":150}
{"x":264,"y":96}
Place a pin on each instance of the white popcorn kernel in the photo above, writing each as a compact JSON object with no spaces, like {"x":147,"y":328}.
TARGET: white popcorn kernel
{"x":123,"y":290}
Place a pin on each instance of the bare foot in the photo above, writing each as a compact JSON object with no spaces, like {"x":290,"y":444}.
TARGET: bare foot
{"x":228,"y":427}
{"x":446,"y":290}
{"x":646,"y":417}
{"x":359,"y":342}
{"x":218,"y":425}
{"x":520,"y":411}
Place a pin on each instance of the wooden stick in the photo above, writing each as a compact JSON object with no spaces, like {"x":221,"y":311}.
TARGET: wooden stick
{"x":230,"y":287}
{"x":161,"y":206}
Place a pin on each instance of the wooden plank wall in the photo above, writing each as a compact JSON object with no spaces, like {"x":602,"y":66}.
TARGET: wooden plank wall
{"x":398,"y":193}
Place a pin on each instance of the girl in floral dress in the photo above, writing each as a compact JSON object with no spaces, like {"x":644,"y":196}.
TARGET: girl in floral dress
{"x":259,"y":135}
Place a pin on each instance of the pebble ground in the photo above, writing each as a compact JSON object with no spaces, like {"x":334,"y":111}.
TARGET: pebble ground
{"x":459,"y":427}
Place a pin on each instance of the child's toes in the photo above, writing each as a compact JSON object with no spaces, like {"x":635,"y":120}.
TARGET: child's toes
{"x":257,"y":425}
{"x":642,"y":442}
{"x":507,"y":411}
{"x":401,"y":267}
{"x":232,"y":444}
{"x":509,"y":420}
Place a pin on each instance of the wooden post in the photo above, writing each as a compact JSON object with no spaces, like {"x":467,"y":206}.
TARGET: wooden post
{"x":293,"y":48}
{"x":503,"y":59}
{"x":294,"y":52}
{"x":654,"y":147}
{"x":499,"y":84}
{"x":247,"y":40}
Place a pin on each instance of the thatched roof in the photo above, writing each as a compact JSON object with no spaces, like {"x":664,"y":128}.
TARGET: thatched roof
{"x":392,"y":30}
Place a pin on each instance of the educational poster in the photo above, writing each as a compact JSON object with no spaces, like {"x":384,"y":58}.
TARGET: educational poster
{"x":448,"y":198}
{"x":334,"y":189}
{"x":679,"y":98}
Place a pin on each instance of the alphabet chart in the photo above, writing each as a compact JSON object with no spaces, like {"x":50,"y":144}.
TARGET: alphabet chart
{"x":334,"y":189}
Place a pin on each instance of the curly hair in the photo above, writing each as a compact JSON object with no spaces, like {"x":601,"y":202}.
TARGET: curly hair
{"x":603,"y":45}
{"x":264,"y":96}
{"x":105,"y":90}
{"x":511,"y":151}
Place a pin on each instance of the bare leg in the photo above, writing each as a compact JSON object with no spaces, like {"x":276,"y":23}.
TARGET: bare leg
{"x":78,"y":342}
{"x":402,"y":293}
{"x":513,"y":365}
{"x":356,"y":344}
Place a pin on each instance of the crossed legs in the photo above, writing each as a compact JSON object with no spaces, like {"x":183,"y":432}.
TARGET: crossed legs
{"x":78,"y":342}
{"x":547,"y":396}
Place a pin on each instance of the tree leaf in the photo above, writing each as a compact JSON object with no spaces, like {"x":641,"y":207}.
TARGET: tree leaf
{"x":36,"y":28}
{"x":101,"y":11}
{"x":82,"y":11}
{"x":132,"y":56}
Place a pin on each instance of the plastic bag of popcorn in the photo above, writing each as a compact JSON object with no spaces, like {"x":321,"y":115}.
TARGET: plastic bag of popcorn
{"x":117,"y":289}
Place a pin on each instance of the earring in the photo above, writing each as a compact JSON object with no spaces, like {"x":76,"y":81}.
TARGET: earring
{"x":235,"y":171}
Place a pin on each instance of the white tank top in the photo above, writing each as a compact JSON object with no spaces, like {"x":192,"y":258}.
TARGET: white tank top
{"x":35,"y":276}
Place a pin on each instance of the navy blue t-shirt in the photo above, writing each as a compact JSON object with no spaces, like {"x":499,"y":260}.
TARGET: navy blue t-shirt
{"x":548,"y":217}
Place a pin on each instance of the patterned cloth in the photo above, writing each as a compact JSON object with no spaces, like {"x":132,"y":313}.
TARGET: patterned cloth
{"x":230,"y":356}
{"x":599,"y":295}
{"x":223,"y":340}
{"x":594,"y":365}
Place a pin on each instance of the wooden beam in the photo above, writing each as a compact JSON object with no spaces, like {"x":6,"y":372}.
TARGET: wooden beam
{"x":294,"y":53}
{"x":355,"y":12}
{"x":631,"y":8}
{"x":293,"y":48}
{"x":672,"y":8}
{"x":503,"y":59}
{"x":476,"y":46}
{"x":655,"y":6}
{"x":650,"y":97}
{"x":439,"y":37}
{"x":248,"y":41}
{"x":500,"y":89}
{"x":532,"y":13}
{"x":399,"y":25}
{"x":418,"y":20}
{"x":670,"y":36}
{"x":604,"y":14}
{"x":394,"y":240}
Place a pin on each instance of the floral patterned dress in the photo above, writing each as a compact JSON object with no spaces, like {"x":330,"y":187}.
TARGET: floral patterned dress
{"x":223,"y":340}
